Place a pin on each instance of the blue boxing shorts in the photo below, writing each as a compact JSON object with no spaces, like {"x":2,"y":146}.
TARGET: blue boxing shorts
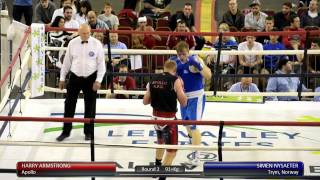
{"x":195,"y":107}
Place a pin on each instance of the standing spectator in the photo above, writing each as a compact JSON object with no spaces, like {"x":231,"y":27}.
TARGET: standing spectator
{"x":284,"y":84}
{"x":44,"y":11}
{"x":234,"y":16}
{"x":85,"y":61}
{"x":174,"y":40}
{"x":123,"y":83}
{"x":282,"y":18}
{"x":82,"y":15}
{"x":60,"y":12}
{"x":94,"y":22}
{"x":141,"y":40}
{"x":69,"y":22}
{"x":245,"y":85}
{"x":312,"y":17}
{"x":256,"y":18}
{"x":153,"y":8}
{"x":268,"y":26}
{"x":111,"y":20}
{"x":23,"y":7}
{"x":294,"y":26}
{"x":116,"y":58}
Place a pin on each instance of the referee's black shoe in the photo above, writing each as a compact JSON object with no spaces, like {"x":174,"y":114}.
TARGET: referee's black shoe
{"x":88,"y":137}
{"x":162,"y":178}
{"x":62,"y":137}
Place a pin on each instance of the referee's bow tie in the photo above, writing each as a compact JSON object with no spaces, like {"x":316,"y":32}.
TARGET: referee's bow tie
{"x":83,"y":42}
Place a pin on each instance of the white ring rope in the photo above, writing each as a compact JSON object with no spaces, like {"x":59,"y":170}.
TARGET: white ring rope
{"x":208,"y":93}
{"x":156,"y":146}
{"x":211,"y":52}
{"x":24,"y":62}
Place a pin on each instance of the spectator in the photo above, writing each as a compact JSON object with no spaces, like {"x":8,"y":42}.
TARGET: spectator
{"x":312,"y":17}
{"x":23,"y":7}
{"x":317,"y":98}
{"x":294,"y":26}
{"x":188,"y":17}
{"x":173,"y":40}
{"x":99,"y":36}
{"x":234,"y":16}
{"x":44,"y":11}
{"x":130,"y":4}
{"x":69,"y":22}
{"x":60,"y":11}
{"x":141,"y":40}
{"x":270,"y":61}
{"x":153,"y":8}
{"x":94,"y":22}
{"x":82,"y":15}
{"x":111,"y":20}
{"x":256,"y":18}
{"x":268,"y":26}
{"x":58,"y":39}
{"x":284,"y":84}
{"x":282,"y":18}
{"x":250,"y":63}
{"x":295,"y":44}
{"x":314,"y":60}
{"x":123,"y":83}
{"x":116,"y":58}
{"x":245,"y":85}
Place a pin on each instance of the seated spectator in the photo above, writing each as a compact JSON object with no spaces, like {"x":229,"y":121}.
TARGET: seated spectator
{"x":153,"y":8}
{"x":141,"y":40}
{"x":68,"y":21}
{"x":295,"y":44}
{"x":270,"y":61}
{"x":94,"y":22}
{"x":44,"y":11}
{"x":82,"y":15}
{"x":312,"y":17}
{"x":294,"y":26}
{"x":233,"y":17}
{"x":111,"y":20}
{"x":284,"y":84}
{"x":256,"y":18}
{"x":99,"y":36}
{"x":123,"y":83}
{"x":227,"y":41}
{"x":58,"y":39}
{"x":268,"y":26}
{"x":250,"y":63}
{"x":281,"y":19}
{"x":245,"y":85}
{"x":23,"y":7}
{"x":314,"y":59}
{"x":317,"y":98}
{"x":188,"y":17}
{"x":60,"y":11}
{"x":116,"y":58}
{"x":173,"y":40}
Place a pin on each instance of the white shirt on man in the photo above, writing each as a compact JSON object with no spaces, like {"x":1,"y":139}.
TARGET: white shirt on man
{"x":72,"y":24}
{"x":244,"y":47}
{"x":83,"y":59}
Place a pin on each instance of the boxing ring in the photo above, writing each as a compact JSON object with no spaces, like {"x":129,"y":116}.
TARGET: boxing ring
{"x":270,"y":131}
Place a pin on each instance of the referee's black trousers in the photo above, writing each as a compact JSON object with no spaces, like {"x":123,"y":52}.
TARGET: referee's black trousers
{"x":75,"y":85}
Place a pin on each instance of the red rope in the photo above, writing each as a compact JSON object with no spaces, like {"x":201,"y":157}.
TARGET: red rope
{"x":141,"y":121}
{"x":15,"y":57}
{"x":281,"y":33}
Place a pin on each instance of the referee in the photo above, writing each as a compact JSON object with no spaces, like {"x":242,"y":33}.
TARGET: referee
{"x":84,"y":60}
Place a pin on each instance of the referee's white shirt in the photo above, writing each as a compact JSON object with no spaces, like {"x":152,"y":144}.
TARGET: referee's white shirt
{"x":84,"y":59}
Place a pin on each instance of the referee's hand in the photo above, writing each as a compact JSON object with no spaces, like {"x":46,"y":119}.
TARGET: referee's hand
{"x":61,"y":85}
{"x":96,"y":86}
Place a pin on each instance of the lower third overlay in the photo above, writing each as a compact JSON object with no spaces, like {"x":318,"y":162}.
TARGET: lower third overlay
{"x":210,"y":169}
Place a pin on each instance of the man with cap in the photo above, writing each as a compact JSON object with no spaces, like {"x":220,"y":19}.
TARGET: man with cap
{"x":256,"y":18}
{"x":284,"y":84}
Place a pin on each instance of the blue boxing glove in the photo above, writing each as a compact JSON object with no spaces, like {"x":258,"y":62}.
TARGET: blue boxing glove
{"x":193,"y":61}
